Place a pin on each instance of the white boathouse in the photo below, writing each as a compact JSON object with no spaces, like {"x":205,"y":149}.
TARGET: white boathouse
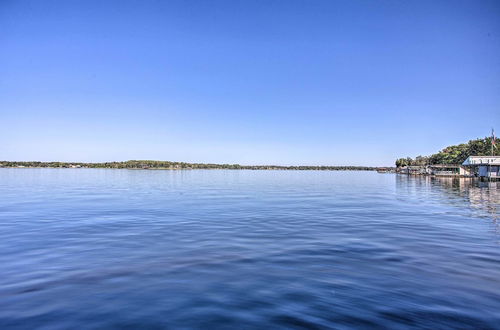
{"x":484,"y":166}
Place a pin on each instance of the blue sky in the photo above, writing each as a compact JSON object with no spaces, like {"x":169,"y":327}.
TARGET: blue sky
{"x":249,"y":82}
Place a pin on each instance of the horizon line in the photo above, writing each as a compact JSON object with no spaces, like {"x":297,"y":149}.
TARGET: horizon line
{"x":186,"y":163}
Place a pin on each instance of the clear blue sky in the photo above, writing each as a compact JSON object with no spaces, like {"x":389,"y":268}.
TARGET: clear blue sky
{"x":250,"y":82}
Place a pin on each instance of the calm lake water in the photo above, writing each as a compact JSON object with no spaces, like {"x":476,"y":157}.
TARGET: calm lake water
{"x":105,"y":249}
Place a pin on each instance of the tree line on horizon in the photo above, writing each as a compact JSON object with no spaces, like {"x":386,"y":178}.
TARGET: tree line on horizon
{"x":158,"y":164}
{"x":453,"y":155}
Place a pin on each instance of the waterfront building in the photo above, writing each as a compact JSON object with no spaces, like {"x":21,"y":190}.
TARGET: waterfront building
{"x":448,"y":170}
{"x":484,"y":166}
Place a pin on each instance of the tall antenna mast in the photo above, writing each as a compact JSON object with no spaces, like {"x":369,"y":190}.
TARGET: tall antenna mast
{"x":492,"y":140}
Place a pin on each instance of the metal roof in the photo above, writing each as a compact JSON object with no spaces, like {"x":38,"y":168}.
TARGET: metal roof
{"x":482,"y":160}
{"x":445,"y":166}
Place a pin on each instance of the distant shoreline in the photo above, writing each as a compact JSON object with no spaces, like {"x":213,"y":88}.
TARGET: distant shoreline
{"x":167,"y":165}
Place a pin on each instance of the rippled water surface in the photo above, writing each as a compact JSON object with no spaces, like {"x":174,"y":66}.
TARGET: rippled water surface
{"x":103,"y":249}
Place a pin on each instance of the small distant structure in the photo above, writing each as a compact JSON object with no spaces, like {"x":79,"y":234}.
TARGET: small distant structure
{"x":413,"y":170}
{"x":447,"y":170}
{"x":386,"y":170}
{"x":443,"y":170}
{"x":486,"y":167}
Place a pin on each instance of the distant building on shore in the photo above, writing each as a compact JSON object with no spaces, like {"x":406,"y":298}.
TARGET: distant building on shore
{"x":436,"y":170}
{"x":483,"y":166}
{"x":448,"y":170}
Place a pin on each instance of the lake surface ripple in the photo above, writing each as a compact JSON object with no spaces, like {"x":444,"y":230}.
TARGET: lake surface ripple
{"x":214,"y":249}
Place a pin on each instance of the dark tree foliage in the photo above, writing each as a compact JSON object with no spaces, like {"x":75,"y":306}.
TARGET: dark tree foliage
{"x":453,"y":154}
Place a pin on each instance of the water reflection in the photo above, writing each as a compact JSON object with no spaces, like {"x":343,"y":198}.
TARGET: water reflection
{"x":482,"y":198}
{"x":114,"y":249}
